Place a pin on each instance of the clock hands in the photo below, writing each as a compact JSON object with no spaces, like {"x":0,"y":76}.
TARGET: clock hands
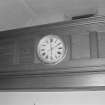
{"x":51,"y":40}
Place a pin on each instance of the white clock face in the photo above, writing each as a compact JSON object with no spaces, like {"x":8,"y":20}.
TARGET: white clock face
{"x":51,"y":49}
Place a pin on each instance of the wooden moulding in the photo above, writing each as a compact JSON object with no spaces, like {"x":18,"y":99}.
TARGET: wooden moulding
{"x":54,"y":82}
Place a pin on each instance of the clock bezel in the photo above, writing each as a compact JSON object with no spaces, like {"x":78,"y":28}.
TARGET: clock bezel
{"x":58,"y":61}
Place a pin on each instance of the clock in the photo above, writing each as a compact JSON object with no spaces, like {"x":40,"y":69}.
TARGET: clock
{"x":51,"y":49}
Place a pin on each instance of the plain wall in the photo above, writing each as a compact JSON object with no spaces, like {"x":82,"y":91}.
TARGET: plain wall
{"x":53,"y":98}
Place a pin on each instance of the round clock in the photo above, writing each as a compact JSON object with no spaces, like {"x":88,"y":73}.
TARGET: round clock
{"x":51,"y":49}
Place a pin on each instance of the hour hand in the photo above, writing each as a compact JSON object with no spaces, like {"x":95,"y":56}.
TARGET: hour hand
{"x":56,"y":45}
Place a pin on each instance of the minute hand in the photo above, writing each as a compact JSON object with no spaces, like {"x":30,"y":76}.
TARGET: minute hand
{"x":56,"y":45}
{"x":51,"y":49}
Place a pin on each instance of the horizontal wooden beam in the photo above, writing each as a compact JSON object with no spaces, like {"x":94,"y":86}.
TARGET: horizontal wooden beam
{"x":69,"y":81}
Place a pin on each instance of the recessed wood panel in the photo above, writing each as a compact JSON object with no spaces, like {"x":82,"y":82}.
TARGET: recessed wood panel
{"x":93,"y":37}
{"x":26,"y":51}
{"x":80,"y":45}
{"x":7,"y":53}
{"x":101,"y":41}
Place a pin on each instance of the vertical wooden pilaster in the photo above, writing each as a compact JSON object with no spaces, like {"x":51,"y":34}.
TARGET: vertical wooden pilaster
{"x":94,"y":53}
{"x":101,"y":39}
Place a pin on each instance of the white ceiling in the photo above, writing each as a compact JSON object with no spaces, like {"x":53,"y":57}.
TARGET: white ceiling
{"x":23,"y":13}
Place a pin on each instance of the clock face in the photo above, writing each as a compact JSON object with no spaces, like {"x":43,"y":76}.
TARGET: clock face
{"x":51,"y":49}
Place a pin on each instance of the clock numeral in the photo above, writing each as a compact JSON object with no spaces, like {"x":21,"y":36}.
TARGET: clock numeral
{"x":43,"y":54}
{"x":59,"y":47}
{"x":59,"y":52}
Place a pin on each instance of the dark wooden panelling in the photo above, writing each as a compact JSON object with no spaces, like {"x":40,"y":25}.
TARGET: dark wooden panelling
{"x":80,"y":45}
{"x":94,"y":53}
{"x":83,"y":66}
{"x":7,"y":53}
{"x":101,"y":41}
{"x":26,"y":51}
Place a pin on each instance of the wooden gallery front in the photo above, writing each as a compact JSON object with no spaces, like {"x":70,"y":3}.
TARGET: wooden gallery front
{"x":66,"y":55}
